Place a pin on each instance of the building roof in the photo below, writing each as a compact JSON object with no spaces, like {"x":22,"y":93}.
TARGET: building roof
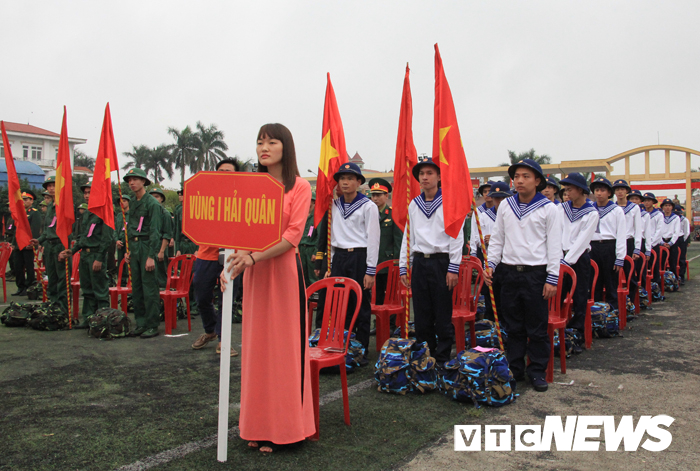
{"x":356,"y":158}
{"x":28,"y":129}
{"x":23,"y":167}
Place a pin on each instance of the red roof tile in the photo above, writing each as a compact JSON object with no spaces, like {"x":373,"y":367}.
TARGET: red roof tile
{"x":28,"y":129}
{"x":356,"y":158}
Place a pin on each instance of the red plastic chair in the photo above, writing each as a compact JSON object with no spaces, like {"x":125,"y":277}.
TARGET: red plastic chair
{"x":392,"y":303}
{"x":75,"y":284}
{"x":177,"y":289}
{"x":332,"y":345}
{"x":642,"y":270}
{"x":559,"y":314}
{"x":588,"y":326}
{"x":623,"y":290}
{"x":465,"y":297}
{"x":664,"y":256}
{"x":119,"y":290}
{"x":678,"y":263}
{"x":5,"y":252}
{"x":651,"y":265}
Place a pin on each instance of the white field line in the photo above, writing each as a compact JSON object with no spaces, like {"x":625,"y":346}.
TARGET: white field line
{"x":183,"y":450}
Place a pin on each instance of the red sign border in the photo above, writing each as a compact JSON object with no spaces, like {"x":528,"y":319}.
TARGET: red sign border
{"x":227,"y":174}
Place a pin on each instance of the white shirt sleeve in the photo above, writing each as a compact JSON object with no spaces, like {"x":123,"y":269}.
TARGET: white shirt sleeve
{"x":675,"y":230}
{"x":620,"y":238}
{"x":649,"y":235}
{"x":583,"y":240}
{"x":456,"y":252}
{"x":637,"y":230}
{"x":498,"y":236}
{"x":554,"y":250}
{"x":659,"y":221}
{"x":373,"y":235}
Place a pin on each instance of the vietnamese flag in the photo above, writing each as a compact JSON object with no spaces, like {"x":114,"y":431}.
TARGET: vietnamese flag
{"x":101,"y":192}
{"x":406,"y":158}
{"x":23,"y":232}
{"x":448,"y":153}
{"x":333,"y":153}
{"x":63,"y":198}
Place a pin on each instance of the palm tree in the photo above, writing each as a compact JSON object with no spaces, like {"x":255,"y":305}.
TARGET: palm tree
{"x":515,"y":158}
{"x":140,"y":156}
{"x":160,"y":161}
{"x":184,"y":150}
{"x":210,"y":148}
{"x":81,"y":159}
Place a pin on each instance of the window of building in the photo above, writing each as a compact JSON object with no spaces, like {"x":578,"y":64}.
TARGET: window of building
{"x":25,"y":152}
{"x":2,"y":152}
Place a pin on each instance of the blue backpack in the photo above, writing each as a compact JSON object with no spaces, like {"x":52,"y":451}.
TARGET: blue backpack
{"x":605,"y":321}
{"x":478,"y":377}
{"x":405,"y":365}
{"x":355,"y":350}
{"x":656,"y":292}
{"x":486,"y":335}
{"x":643,"y":299}
{"x":572,"y":338}
{"x":671,"y":281}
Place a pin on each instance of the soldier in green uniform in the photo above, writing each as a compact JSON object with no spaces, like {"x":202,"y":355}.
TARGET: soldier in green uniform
{"x":9,"y":235}
{"x":77,"y":225}
{"x":94,"y":239}
{"x":121,"y":238}
{"x":183,"y":244}
{"x":390,"y":235}
{"x":52,"y":247}
{"x":166,"y":234}
{"x":307,"y":246}
{"x":43,"y":207}
{"x":143,"y":225}
{"x":24,"y":259}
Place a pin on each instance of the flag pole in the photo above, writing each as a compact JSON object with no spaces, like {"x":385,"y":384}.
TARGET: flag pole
{"x":486,"y":261}
{"x":70,"y":306}
{"x":407,"y":298}
{"x":38,"y":274}
{"x":328,"y":241}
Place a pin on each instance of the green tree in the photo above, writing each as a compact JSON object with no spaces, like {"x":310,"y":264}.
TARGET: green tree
{"x":139,"y":155}
{"x":81,"y":159}
{"x":160,"y":161}
{"x":530,"y":154}
{"x":210,"y":145}
{"x":184,"y":150}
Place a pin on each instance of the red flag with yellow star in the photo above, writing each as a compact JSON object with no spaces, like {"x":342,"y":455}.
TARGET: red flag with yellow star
{"x":448,"y":153}
{"x":65,"y":212}
{"x":405,"y":186}
{"x":333,"y":153}
{"x":23,"y":232}
{"x":101,"y":192}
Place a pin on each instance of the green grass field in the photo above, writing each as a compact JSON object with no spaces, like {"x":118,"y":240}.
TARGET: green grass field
{"x":73,"y":402}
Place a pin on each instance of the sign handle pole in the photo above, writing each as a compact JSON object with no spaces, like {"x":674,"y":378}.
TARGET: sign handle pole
{"x":225,"y":365}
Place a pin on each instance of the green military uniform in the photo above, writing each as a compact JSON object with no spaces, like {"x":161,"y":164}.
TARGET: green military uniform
{"x":467,"y":230}
{"x":94,"y":239}
{"x":55,"y":270}
{"x":119,"y":235}
{"x":389,"y":238}
{"x":143,"y":223}
{"x":166,"y":233}
{"x":307,"y":248}
{"x":24,"y":259}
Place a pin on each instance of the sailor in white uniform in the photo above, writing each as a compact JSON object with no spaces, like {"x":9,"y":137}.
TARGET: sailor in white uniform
{"x":683,"y":242}
{"x":435,"y":260}
{"x":487,"y":218}
{"x":654,"y":231}
{"x":633,"y":223}
{"x":635,"y":196}
{"x":671,"y":232}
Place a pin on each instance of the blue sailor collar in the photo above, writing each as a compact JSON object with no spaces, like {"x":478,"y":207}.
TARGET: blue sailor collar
{"x":429,"y":207}
{"x":669,"y":219}
{"x":491,"y":212}
{"x":655,"y":212}
{"x":523,"y":209}
{"x":557,"y":202}
{"x":346,"y":209}
{"x":630,"y":206}
{"x":605,"y":210}
{"x":574,"y":214}
{"x":481,"y":208}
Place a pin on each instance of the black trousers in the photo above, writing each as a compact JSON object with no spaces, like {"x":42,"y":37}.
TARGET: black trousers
{"x":582,"y":268}
{"x":638,"y":263}
{"x":674,"y":251}
{"x":603,"y":254}
{"x":432,"y":305}
{"x":525,"y":314}
{"x":351,"y":265}
{"x":657,"y":269}
{"x":683,"y":247}
{"x":634,"y":281}
{"x":24,"y":268}
{"x":380,"y":281}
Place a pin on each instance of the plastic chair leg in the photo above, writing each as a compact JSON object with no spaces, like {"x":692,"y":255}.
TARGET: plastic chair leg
{"x":460,"y":340}
{"x":76,"y":301}
{"x":168,"y":321}
{"x":173,"y":310}
{"x":125,"y":303}
{"x":622,"y":308}
{"x":344,"y":384}
{"x":315,"y":393}
{"x":562,"y":350}
{"x":113,"y":299}
{"x":383,"y":329}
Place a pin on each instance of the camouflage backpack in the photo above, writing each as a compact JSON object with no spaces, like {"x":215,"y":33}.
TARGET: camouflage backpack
{"x":411,"y":331}
{"x":480,"y":376}
{"x":572,"y":338}
{"x":605,"y":321}
{"x":643,"y":299}
{"x":108,"y":324}
{"x":405,"y":365}
{"x":35,"y":292}
{"x":671,"y":281}
{"x":656,"y":292}
{"x":15,"y":315}
{"x":632,"y":308}
{"x":486,"y":335}
{"x":48,"y":316}
{"x":355,"y":350}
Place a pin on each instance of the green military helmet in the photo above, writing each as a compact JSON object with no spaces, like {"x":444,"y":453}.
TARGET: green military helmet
{"x":43,"y":203}
{"x":51,"y":179}
{"x":45,"y":193}
{"x":379,"y":185}
{"x":313,"y":196}
{"x":157,"y":191}
{"x":137,"y":172}
{"x":126,"y":197}
{"x":83,"y":206}
{"x":86,"y":185}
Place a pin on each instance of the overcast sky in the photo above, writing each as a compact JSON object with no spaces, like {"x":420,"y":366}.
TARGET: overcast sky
{"x":574,"y":80}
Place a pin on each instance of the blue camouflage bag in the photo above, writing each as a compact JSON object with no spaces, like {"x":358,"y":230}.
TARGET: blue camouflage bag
{"x":632,"y":308}
{"x":480,"y":377}
{"x":480,"y":307}
{"x":671,"y":281}
{"x":486,"y":335}
{"x":656,"y":292}
{"x":405,"y":365}
{"x":605,"y":321}
{"x":355,"y":351}
{"x":572,"y":338}
{"x":643,"y":299}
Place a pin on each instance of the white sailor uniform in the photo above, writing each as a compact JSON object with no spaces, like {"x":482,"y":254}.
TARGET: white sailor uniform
{"x":608,"y":250}
{"x":656,"y":220}
{"x":633,"y":222}
{"x":526,"y":245}
{"x":683,"y":245}
{"x":433,"y":255}
{"x":670,"y":233}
